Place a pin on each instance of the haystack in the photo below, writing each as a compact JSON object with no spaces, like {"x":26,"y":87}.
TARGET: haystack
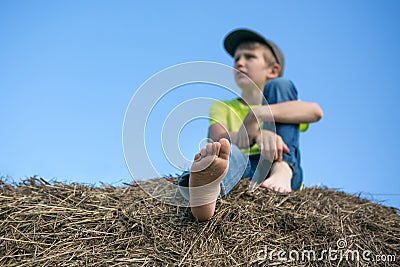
{"x":58,"y":224}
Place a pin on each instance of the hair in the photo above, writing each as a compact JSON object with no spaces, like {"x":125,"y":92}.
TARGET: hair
{"x":251,"y":45}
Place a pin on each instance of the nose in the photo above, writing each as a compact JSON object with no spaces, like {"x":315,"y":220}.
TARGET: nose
{"x":239,"y":62}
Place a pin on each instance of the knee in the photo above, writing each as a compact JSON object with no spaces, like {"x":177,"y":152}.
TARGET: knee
{"x":280,"y":90}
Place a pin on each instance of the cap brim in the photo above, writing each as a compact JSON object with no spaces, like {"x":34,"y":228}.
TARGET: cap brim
{"x":235,"y":38}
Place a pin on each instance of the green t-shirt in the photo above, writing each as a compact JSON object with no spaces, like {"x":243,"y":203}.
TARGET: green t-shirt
{"x":231,"y":114}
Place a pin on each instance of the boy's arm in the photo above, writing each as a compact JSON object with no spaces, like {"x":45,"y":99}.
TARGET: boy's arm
{"x":293,"y":112}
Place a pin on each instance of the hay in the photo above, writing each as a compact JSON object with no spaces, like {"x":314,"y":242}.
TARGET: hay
{"x":58,"y":224}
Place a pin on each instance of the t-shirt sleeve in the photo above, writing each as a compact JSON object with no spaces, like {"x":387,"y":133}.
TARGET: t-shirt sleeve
{"x":218,"y":113}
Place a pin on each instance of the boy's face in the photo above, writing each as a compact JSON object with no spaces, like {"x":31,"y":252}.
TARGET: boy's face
{"x":251,"y":62}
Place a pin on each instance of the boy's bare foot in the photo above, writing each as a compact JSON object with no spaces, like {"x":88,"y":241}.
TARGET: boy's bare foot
{"x":280,"y":178}
{"x":208,"y":169}
{"x":210,"y":166}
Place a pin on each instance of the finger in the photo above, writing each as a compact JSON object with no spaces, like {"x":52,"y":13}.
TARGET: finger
{"x":279,"y":149}
{"x":264,"y":154}
{"x":261,"y":146}
{"x":268,"y":152}
{"x":282,"y":148}
{"x":273,"y":149}
{"x":276,"y":154}
{"x":270,"y":148}
{"x":285,"y":148}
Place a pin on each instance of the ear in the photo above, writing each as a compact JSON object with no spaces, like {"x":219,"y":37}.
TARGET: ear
{"x":273,"y":71}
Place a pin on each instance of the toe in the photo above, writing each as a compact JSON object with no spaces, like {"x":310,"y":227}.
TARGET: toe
{"x":225,"y":149}
{"x":217,"y":148}
{"x":210,"y":148}
{"x":203,"y":152}
{"x":197,"y":156}
{"x":264,"y":184}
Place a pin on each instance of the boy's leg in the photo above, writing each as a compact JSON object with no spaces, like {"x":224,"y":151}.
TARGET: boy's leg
{"x":277,"y":91}
{"x":207,"y":172}
{"x":279,"y":178}
{"x":239,"y":167}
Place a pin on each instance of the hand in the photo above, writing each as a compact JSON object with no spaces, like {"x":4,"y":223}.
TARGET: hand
{"x":249,"y":128}
{"x":271,"y":145}
{"x":254,"y":119}
{"x":242,"y":140}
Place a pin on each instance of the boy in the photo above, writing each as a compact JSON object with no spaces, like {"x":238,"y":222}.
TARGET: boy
{"x":240,"y":148}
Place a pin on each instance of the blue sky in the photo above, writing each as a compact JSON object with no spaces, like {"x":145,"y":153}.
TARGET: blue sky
{"x":69,"y":69}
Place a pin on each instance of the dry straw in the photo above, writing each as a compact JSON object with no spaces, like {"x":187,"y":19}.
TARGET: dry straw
{"x":59,"y":224}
